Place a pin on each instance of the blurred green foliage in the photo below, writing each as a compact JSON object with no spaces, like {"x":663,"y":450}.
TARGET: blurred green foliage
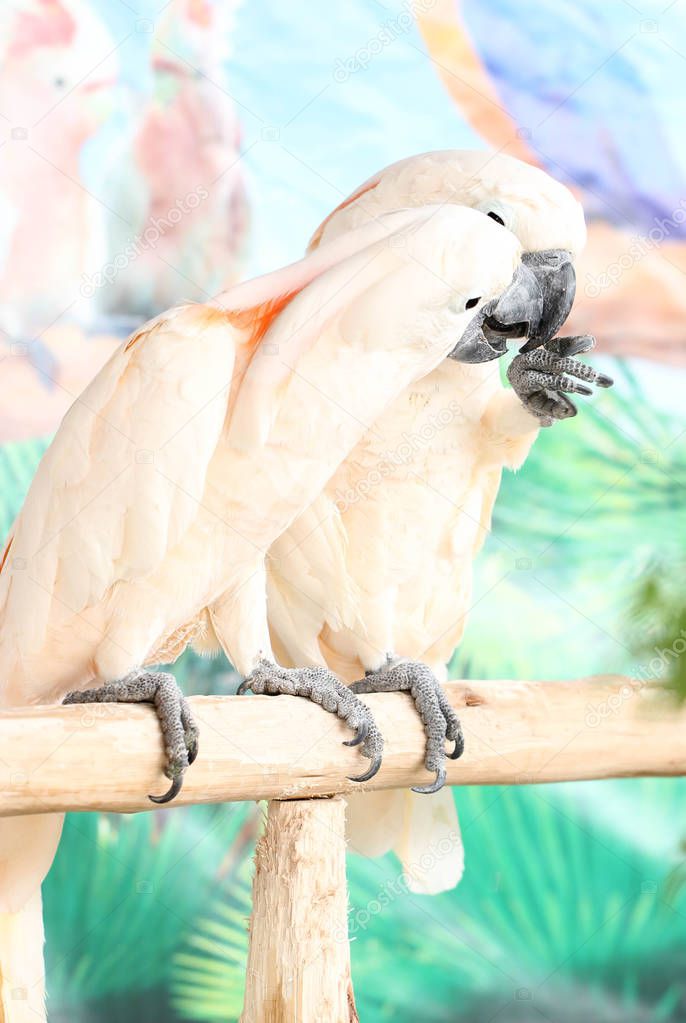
{"x":658,"y":626}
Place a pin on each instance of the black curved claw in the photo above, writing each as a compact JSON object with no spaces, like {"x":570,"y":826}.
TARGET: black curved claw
{"x":435,"y":786}
{"x":192,"y":754}
{"x":243,"y":687}
{"x":360,"y":735}
{"x":171,"y":794}
{"x":603,"y":380}
{"x":578,"y":344}
{"x":459,"y":749}
{"x":368,"y":774}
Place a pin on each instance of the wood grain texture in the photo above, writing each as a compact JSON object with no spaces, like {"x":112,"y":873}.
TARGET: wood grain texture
{"x":299,"y":958}
{"x":109,"y":757}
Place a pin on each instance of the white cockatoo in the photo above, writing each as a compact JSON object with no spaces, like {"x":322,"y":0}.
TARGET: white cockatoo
{"x":374,"y":578}
{"x":206,"y":434}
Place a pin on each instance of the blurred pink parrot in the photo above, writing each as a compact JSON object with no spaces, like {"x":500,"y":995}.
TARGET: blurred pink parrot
{"x":180,"y":184}
{"x":57,"y":77}
{"x":54,"y":88}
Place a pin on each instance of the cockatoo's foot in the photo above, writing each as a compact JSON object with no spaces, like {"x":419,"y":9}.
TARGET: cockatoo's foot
{"x":440,"y":720}
{"x":179,"y":730}
{"x":322,"y":687}
{"x":540,"y":377}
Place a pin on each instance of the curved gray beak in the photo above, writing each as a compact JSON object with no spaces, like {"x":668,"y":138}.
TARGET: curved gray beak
{"x":535,"y":305}
{"x":540,"y":301}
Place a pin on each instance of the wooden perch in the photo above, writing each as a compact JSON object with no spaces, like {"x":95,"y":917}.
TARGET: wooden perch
{"x":109,"y":757}
{"x":299,"y":957}
{"x":286,"y":750}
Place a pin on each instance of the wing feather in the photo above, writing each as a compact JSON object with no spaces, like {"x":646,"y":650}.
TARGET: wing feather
{"x":119,"y":485}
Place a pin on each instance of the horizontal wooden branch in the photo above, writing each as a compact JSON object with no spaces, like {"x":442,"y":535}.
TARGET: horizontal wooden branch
{"x":109,"y":757}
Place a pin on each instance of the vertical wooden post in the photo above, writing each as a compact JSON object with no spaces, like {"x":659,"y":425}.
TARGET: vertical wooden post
{"x":299,"y":955}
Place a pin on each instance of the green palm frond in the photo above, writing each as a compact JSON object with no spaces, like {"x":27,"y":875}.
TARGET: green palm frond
{"x":605,"y":484}
{"x":18,"y":463}
{"x":557,"y":916}
{"x":209,"y":972}
{"x":549,"y":909}
{"x":656,"y":626}
{"x":124,"y":894}
{"x":597,"y":501}
{"x":644,"y":813}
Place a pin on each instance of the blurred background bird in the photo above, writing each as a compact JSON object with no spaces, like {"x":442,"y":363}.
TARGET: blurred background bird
{"x":57,"y":83}
{"x":182,"y":154}
{"x":120,"y":195}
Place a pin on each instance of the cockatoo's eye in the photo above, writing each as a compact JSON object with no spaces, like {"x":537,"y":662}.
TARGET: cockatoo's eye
{"x":471,"y":302}
{"x":498,"y":219}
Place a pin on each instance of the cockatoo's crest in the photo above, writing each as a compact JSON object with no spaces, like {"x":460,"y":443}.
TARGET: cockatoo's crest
{"x":200,"y":11}
{"x":192,"y":34}
{"x":255,"y":319}
{"x":255,"y":305}
{"x":317,"y":236}
{"x":259,"y":318}
{"x":542,"y":212}
{"x":52,"y":41}
{"x":205,"y":315}
{"x":5,"y":553}
{"x":46,"y":23}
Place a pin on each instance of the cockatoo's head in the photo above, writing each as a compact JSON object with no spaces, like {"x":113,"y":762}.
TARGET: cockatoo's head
{"x":460,"y":266}
{"x":58,"y":71}
{"x":542,"y":213}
